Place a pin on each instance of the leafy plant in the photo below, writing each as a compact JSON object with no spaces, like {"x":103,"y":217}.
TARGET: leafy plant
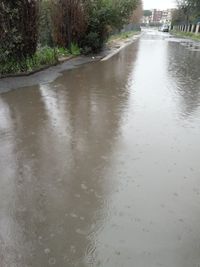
{"x":61,"y":51}
{"x":75,"y":50}
{"x":103,"y":17}
{"x":19,"y":28}
{"x":43,"y":57}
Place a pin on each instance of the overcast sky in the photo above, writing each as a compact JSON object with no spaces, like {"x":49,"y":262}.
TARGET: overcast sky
{"x":159,"y":4}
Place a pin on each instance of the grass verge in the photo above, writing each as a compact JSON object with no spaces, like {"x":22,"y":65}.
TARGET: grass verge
{"x":190,"y":35}
{"x":121,"y":36}
{"x":44,"y":57}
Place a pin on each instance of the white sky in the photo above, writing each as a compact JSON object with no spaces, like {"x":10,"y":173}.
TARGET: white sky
{"x":159,"y":4}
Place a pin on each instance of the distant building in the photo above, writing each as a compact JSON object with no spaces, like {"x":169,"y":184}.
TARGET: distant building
{"x":164,"y":17}
{"x":156,"y":15}
{"x":159,"y":16}
{"x":167,"y":16}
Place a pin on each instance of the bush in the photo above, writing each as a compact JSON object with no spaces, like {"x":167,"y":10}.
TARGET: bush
{"x":92,"y":43}
{"x":18,"y":28}
{"x":99,"y":18}
{"x":103,"y":17}
{"x":43,"y":57}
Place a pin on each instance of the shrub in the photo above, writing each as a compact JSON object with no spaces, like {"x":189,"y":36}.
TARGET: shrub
{"x":92,"y":43}
{"x":103,"y":17}
{"x":44,"y":56}
{"x":19,"y":28}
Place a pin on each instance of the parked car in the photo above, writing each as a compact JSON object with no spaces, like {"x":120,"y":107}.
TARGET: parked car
{"x":164,"y":28}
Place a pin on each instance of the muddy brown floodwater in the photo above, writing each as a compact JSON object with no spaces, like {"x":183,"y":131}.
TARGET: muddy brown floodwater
{"x":101,"y":167}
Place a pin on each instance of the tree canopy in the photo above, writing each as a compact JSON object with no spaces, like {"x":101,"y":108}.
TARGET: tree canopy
{"x":188,"y":11}
{"x":147,"y":13}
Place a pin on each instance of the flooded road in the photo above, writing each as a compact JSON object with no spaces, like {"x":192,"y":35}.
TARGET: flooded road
{"x":101,"y":167}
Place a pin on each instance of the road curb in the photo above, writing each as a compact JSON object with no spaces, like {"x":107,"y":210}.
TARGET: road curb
{"x":116,"y":51}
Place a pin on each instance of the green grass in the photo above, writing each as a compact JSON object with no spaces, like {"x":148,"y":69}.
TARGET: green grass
{"x":75,"y":50}
{"x":62,"y":52}
{"x":43,"y":57}
{"x":190,"y":35}
{"x":122,"y":36}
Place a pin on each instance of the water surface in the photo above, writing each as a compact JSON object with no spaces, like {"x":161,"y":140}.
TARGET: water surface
{"x":100,"y":167}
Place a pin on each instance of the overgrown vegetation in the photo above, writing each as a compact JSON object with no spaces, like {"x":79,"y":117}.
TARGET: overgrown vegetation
{"x":69,"y":21}
{"x":18,"y":28}
{"x":31,"y":30}
{"x":41,"y":58}
{"x":187,"y":35}
{"x":45,"y":24}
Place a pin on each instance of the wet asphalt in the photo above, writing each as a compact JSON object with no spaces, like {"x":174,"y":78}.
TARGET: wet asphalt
{"x":100,"y":164}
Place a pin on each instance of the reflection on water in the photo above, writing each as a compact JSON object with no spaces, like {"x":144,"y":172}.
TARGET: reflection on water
{"x":98,"y":168}
{"x":62,"y":140}
{"x":183,"y":67}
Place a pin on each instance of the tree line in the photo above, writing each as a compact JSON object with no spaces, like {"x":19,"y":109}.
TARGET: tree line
{"x":27,"y":24}
{"x":188,"y":11}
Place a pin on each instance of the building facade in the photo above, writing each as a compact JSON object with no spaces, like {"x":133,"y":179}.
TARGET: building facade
{"x":159,"y":16}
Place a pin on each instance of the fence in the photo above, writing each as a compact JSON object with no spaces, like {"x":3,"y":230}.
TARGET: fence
{"x":193,"y":28}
